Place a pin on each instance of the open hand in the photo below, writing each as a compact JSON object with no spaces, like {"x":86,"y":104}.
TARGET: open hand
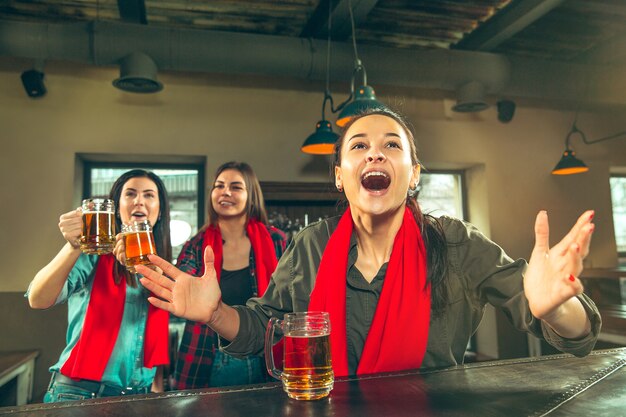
{"x":181,"y":294}
{"x":552,"y":275}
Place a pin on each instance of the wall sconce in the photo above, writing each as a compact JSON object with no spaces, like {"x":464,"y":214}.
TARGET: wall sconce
{"x":138,"y":74}
{"x":569,"y":164}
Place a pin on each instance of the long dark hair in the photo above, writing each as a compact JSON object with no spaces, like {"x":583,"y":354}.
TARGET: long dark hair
{"x":255,"y":205}
{"x":161,"y":229}
{"x":432,"y":231}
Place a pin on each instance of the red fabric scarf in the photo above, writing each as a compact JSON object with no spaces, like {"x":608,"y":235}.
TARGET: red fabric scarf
{"x":262,"y":245}
{"x":90,"y":356}
{"x":399,"y":331}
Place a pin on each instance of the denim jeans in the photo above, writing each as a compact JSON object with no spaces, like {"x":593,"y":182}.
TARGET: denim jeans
{"x":228,"y":370}
{"x":63,"y":389}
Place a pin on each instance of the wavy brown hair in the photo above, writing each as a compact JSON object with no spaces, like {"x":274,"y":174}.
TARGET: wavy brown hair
{"x":161,"y":229}
{"x":432,"y":231}
{"x":255,"y":204}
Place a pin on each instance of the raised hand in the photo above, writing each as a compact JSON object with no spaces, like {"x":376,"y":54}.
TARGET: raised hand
{"x":71,"y":226}
{"x":551,"y":279}
{"x":120,"y":249}
{"x":181,"y":294}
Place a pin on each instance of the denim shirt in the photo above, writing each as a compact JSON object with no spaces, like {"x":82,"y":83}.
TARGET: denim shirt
{"x":125,"y":367}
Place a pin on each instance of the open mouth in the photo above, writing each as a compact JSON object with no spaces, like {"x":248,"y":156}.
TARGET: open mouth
{"x":375,"y":181}
{"x":138,"y":215}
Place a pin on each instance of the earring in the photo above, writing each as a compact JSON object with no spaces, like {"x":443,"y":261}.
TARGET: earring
{"x":339,"y":188}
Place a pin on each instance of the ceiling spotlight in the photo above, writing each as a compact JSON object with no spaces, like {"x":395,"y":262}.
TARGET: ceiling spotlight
{"x":138,"y":74}
{"x":470,"y":98}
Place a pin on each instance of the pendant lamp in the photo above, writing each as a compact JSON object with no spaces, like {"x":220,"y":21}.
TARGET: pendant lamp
{"x":322,"y":141}
{"x":569,"y":164}
{"x":364,"y":98}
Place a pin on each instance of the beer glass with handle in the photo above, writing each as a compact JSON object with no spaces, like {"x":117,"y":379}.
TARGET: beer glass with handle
{"x":307,"y":367}
{"x":98,"y":235}
{"x":139,"y":243}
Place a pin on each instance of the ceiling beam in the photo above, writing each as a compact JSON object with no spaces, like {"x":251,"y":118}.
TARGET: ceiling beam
{"x":132,"y":11}
{"x":317,"y":26}
{"x":506,"y":23}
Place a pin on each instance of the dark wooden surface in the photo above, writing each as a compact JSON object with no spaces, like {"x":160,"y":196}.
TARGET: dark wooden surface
{"x":11,"y":360}
{"x":559,"y":385}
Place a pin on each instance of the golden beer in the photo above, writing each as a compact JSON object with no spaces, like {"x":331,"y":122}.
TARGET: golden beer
{"x":307,"y":369}
{"x":307,"y":372}
{"x":138,"y":246}
{"x":98,"y":232}
{"x":139,"y":243}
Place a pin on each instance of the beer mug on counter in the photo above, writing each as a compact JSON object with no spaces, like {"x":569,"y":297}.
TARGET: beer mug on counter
{"x":307,"y":367}
{"x":98,"y":235}
{"x":139,"y":243}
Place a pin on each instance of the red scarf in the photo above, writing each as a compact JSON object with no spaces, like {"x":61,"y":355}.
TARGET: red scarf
{"x":399,"y":331}
{"x":262,"y":246}
{"x":90,"y":356}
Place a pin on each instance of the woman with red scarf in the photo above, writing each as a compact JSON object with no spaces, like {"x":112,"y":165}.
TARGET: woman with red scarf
{"x":404,"y":290}
{"x":116,"y":340}
{"x":245,"y":252}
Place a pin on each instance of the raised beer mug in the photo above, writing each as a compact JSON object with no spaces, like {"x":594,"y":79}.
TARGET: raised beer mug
{"x":98,"y":235}
{"x":139,"y":243}
{"x":307,"y":367}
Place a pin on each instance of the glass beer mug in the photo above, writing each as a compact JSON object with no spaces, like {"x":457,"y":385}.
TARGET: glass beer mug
{"x":139,"y":243}
{"x":98,"y":235}
{"x":307,"y":367}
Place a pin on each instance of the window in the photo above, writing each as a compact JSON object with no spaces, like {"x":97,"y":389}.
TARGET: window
{"x":185,"y":188}
{"x":442,"y":193}
{"x":618,"y":197}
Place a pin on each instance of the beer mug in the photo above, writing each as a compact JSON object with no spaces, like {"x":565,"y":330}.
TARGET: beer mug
{"x":98,"y":226}
{"x":139,"y":243}
{"x":307,"y":367}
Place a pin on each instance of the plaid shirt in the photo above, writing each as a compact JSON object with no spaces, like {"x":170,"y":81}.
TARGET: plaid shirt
{"x":199,"y":342}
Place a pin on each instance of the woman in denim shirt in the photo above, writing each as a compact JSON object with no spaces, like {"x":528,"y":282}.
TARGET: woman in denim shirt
{"x":116,"y":340}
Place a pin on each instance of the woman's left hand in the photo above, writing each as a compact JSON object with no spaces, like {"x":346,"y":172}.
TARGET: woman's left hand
{"x":119,"y":251}
{"x":552,"y":275}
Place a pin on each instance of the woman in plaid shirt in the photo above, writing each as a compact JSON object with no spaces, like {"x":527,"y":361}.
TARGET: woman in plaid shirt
{"x":247,"y":249}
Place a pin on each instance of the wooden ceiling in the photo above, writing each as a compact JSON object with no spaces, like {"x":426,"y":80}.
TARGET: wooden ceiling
{"x":577,"y":31}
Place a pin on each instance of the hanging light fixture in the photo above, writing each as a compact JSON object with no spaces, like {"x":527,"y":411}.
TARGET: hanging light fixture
{"x":322,"y":141}
{"x":364,"y":96}
{"x":569,"y":164}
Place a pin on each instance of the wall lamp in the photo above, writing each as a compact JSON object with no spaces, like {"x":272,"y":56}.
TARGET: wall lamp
{"x":569,"y":164}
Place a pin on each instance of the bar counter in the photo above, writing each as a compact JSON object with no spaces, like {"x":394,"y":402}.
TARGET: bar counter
{"x":559,"y":385}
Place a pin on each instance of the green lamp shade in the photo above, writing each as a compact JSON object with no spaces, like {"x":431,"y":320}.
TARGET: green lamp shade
{"x":364,"y":99}
{"x":322,"y":142}
{"x":569,"y":164}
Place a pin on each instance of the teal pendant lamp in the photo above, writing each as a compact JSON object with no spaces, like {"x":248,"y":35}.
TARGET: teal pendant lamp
{"x":322,"y":141}
{"x":364,"y":98}
{"x":569,"y":164}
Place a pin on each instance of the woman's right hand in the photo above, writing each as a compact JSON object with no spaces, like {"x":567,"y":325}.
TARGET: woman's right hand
{"x":71,"y":226}
{"x":181,"y":294}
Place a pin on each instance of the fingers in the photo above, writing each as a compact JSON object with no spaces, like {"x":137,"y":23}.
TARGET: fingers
{"x":167,"y":268}
{"x":71,"y":226}
{"x":542,"y":233}
{"x":209,"y":261}
{"x":579,"y":233}
{"x":161,"y":304}
{"x":119,"y":251}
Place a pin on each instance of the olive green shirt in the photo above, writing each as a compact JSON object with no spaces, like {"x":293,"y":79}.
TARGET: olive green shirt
{"x":479,"y":273}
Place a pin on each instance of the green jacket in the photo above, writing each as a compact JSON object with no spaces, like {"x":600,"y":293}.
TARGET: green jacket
{"x":479,"y":273}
